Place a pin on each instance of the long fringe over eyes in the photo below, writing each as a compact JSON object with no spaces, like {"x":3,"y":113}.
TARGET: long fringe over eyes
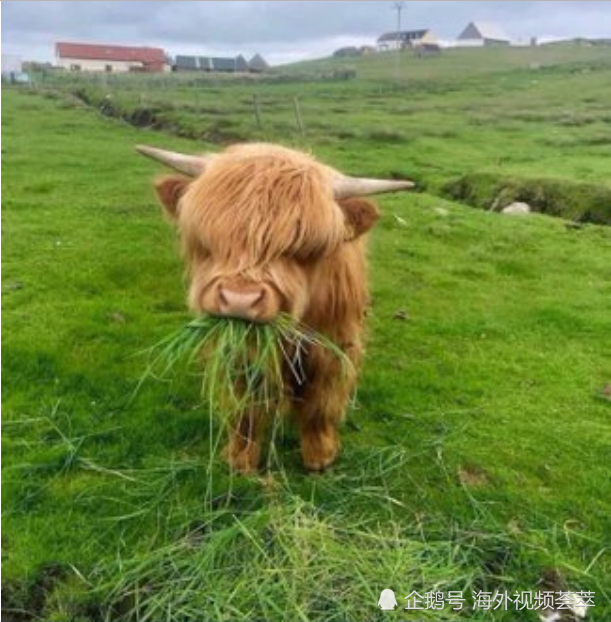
{"x":250,"y":208}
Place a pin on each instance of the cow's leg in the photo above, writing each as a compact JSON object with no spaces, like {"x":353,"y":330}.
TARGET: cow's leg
{"x":245,"y":441}
{"x":319,"y":442}
{"x":321,"y":408}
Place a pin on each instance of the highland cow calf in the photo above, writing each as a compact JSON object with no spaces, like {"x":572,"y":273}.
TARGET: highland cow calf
{"x":267,"y":230}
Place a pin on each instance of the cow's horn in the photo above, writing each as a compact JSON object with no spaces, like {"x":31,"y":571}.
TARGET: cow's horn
{"x":190,"y":165}
{"x":346,"y":187}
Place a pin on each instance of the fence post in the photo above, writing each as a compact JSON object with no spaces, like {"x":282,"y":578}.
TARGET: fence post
{"x":256,"y":110}
{"x":298,"y":118}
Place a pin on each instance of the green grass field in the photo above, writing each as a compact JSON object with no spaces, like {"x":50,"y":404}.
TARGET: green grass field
{"x":476,"y":453}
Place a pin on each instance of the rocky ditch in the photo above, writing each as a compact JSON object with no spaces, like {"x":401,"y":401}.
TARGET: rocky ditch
{"x":578,"y":202}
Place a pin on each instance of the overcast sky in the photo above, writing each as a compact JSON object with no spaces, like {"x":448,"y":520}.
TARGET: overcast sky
{"x":282,"y":31}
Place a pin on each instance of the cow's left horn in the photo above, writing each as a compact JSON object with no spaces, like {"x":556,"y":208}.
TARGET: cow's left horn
{"x":190,"y":165}
{"x":346,"y":187}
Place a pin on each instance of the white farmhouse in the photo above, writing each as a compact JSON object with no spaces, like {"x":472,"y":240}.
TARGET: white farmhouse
{"x":110,"y":58}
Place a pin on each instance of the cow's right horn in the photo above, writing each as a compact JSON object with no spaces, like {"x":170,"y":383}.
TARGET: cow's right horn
{"x":190,"y":165}
{"x":347,"y":187}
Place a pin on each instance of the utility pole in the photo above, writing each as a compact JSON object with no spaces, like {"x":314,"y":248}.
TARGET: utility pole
{"x":398,"y":6}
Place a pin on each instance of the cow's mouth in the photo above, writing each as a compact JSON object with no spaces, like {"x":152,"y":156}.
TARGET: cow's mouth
{"x":242,"y":317}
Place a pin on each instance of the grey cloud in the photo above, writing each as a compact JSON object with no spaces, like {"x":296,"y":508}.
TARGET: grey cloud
{"x":288,"y":27}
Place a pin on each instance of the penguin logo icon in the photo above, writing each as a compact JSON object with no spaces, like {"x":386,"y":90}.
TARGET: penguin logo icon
{"x":387,"y":601}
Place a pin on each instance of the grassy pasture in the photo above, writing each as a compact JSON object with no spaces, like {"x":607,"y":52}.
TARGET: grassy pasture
{"x":536,"y":119}
{"x":476,"y":454}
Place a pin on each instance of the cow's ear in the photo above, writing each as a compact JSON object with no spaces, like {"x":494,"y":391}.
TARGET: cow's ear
{"x":360,"y":216}
{"x":169,"y":190}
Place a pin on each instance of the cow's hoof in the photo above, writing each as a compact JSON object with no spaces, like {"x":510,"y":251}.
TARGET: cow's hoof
{"x":318,"y":466}
{"x":320,"y":451}
{"x":243,"y":459}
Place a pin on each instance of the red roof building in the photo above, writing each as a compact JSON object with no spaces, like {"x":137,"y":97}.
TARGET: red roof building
{"x":110,"y":58}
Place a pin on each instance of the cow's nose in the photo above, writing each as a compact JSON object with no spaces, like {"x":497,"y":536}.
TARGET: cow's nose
{"x":242,"y":304}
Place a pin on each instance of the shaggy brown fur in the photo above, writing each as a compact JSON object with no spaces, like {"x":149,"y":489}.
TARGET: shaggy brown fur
{"x":261,"y":226}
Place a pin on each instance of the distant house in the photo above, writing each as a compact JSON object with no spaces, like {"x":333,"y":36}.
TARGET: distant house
{"x":217,"y":64}
{"x":405,"y":39}
{"x":480,"y":34}
{"x":257,"y":64}
{"x":110,"y":58}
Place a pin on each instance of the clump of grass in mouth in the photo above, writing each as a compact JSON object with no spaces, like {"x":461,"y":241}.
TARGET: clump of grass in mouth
{"x":242,"y":364}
